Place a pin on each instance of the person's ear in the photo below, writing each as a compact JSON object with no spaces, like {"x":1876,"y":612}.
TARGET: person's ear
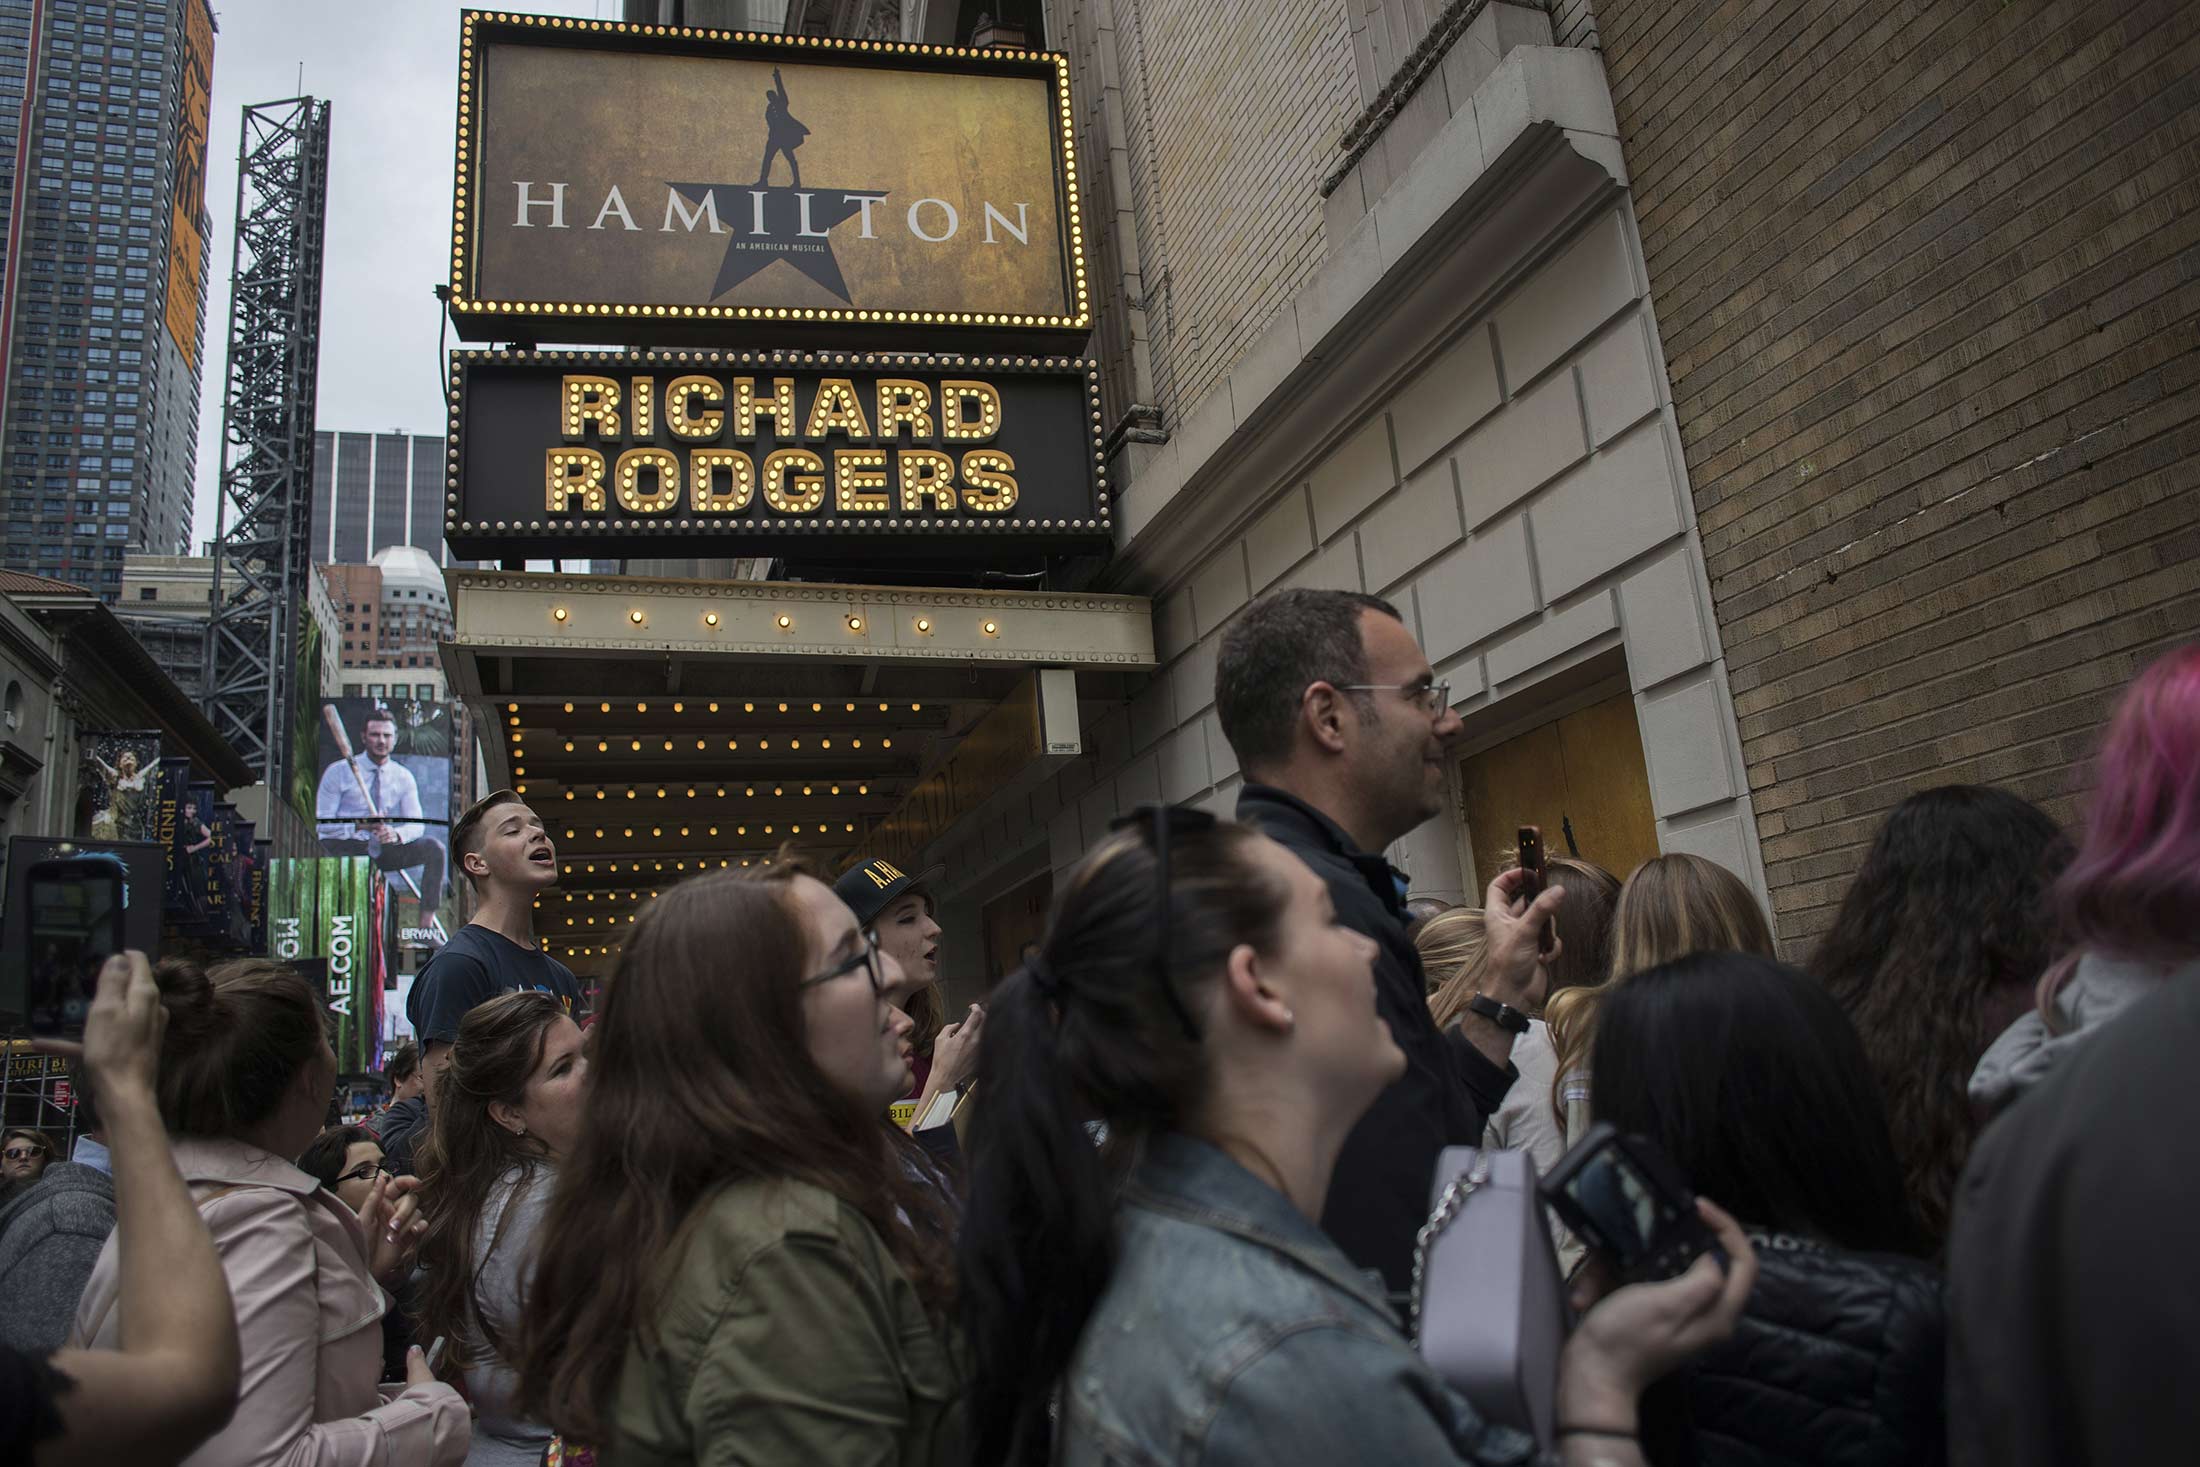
{"x":474,"y":863}
{"x":507,"y":1115}
{"x":1323,"y":711}
{"x":1248,"y":990}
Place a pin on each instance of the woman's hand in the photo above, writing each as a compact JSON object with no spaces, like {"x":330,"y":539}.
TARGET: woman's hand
{"x":393,"y":1228}
{"x":955,"y":1052}
{"x":1636,"y":1334}
{"x":122,"y":1030}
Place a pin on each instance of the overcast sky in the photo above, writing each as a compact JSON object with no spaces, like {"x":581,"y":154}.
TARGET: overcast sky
{"x":390,"y":69}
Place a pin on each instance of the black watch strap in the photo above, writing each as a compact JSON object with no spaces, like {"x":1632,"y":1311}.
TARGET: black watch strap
{"x":1503,"y":1015}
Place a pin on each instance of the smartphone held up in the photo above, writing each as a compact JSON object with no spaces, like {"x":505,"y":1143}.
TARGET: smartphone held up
{"x":73,"y":924}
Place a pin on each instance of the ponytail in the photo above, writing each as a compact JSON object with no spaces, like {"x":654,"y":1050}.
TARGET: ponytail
{"x":1037,"y":1243}
{"x":1088,"y":1034}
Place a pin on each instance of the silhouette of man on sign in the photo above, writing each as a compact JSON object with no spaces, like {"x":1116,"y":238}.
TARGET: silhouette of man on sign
{"x":785,"y":133}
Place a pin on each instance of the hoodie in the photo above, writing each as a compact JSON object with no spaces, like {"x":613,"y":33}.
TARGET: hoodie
{"x":2028,"y":1051}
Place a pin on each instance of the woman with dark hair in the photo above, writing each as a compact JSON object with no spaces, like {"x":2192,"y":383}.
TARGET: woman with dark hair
{"x":745,"y":1259}
{"x":2129,"y":904}
{"x":1751,"y":1078}
{"x":507,"y":1109}
{"x":347,"y":1160}
{"x":1169,"y":1295}
{"x":1935,"y":950}
{"x":245,"y":1077}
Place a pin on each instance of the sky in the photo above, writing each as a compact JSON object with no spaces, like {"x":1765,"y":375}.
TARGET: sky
{"x":389,"y":69}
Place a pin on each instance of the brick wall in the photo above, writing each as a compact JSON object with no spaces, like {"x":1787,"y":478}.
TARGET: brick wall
{"x":1573,"y":23}
{"x":1927,"y":278}
{"x":1231,"y":112}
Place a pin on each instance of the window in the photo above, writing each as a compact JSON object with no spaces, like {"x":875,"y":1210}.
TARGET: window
{"x":148,"y":593}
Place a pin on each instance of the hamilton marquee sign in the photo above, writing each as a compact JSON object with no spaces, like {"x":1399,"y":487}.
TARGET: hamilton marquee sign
{"x":622,"y":183}
{"x":933,"y":458}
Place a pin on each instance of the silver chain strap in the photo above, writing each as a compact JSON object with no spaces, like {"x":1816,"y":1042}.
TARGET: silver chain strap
{"x":1447,"y":1211}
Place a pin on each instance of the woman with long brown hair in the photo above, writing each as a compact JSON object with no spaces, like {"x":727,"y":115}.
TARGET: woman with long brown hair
{"x":507,"y":1109}
{"x":1673,"y":905}
{"x":742,"y":1247}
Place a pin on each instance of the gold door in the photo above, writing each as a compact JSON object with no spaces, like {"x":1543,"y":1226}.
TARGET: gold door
{"x":1585,"y":769}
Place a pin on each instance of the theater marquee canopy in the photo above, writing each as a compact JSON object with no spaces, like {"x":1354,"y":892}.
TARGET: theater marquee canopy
{"x":919,"y":457}
{"x":623,"y":183}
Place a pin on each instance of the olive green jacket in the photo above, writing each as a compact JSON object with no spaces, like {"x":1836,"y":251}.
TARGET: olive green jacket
{"x":788,"y":1336}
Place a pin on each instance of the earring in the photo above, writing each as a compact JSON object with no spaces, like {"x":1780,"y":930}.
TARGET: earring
{"x":1290,"y":1020}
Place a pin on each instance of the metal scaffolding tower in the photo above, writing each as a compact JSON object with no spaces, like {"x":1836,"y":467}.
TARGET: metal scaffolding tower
{"x":262,"y":554}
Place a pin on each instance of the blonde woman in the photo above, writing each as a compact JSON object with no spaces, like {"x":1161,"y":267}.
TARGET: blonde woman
{"x":1672,"y":906}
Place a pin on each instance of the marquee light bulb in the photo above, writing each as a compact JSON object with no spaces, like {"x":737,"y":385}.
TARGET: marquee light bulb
{"x":635,"y":616}
{"x":924,"y":625}
{"x":785,"y":621}
{"x":710,"y":619}
{"x":559,"y":613}
{"x":992,"y":628}
{"x":855,"y":623}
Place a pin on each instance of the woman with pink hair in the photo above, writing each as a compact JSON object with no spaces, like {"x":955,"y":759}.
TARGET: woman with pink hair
{"x":2129,"y":905}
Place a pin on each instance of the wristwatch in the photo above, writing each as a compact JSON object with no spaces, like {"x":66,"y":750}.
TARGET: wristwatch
{"x":1503,"y":1015}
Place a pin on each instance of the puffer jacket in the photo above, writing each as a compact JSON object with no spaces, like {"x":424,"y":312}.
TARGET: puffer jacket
{"x":1838,"y":1361}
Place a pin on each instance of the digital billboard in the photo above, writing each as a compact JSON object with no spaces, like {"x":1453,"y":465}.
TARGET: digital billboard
{"x":383,"y":793}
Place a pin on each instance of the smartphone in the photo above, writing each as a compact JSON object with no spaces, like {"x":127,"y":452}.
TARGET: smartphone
{"x":1622,"y":1196}
{"x":76,"y":905}
{"x":1530,"y":842}
{"x":434,"y":1353}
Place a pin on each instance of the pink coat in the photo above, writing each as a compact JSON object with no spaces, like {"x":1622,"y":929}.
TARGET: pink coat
{"x":308,"y":1325}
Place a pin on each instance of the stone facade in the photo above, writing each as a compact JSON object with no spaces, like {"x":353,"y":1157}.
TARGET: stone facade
{"x":1462,"y":407}
{"x":1926,"y":281}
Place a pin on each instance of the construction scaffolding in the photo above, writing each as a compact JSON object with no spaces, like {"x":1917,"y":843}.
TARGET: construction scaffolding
{"x":262,"y":554}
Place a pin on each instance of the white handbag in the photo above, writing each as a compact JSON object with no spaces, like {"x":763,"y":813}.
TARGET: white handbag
{"x":1489,"y":1307}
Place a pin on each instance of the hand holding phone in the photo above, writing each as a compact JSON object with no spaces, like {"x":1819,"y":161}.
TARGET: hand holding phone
{"x":1530,"y":842}
{"x":1624,"y":1198}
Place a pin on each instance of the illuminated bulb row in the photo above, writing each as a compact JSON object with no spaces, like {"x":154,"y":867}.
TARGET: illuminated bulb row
{"x":784,"y":621}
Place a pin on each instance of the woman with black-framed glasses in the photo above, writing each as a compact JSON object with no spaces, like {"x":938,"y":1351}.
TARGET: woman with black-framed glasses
{"x":1169,"y":1295}
{"x":346,"y":1160}
{"x":745,"y":1258}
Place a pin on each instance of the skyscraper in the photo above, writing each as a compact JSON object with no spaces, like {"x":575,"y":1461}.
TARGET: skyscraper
{"x":103,"y":121}
{"x":375,"y":490}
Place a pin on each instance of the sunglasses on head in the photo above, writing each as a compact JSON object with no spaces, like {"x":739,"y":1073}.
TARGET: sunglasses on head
{"x":1159,"y":823}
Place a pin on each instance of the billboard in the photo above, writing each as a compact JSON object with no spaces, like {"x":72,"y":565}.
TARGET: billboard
{"x":305,"y":699}
{"x":186,"y":242}
{"x":933,"y":458}
{"x":383,"y":793}
{"x":122,"y":771}
{"x":639,"y":182}
{"x":321,"y":921}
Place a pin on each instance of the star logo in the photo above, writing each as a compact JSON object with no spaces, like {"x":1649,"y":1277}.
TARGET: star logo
{"x":791,"y":224}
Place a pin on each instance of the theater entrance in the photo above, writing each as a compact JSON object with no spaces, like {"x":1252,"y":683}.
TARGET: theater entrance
{"x":1579,"y":776}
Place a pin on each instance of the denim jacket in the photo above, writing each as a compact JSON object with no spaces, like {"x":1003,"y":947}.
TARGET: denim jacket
{"x":1234,"y":1332}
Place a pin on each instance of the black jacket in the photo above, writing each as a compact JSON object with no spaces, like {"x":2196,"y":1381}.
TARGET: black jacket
{"x":1838,"y":1361}
{"x":1379,"y":1195}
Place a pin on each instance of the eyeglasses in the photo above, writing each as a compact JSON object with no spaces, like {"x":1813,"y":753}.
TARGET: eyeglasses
{"x":366,"y":1171}
{"x":866,"y":959}
{"x":1159,"y":822}
{"x":23,"y":1153}
{"x":1434,"y":697}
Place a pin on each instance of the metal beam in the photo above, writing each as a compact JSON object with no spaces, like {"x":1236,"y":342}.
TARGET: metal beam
{"x":262,"y":554}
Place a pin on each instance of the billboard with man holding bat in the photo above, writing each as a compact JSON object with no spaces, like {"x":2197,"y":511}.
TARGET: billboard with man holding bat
{"x":385,"y":793}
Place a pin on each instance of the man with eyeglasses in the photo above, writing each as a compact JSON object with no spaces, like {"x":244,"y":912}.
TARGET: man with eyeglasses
{"x":51,"y":1231}
{"x":1343,"y":732}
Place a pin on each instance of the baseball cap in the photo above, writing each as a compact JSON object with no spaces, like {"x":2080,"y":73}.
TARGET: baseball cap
{"x":872,"y":887}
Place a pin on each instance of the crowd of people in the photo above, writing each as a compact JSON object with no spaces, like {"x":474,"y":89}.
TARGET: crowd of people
{"x":1162,"y":1198}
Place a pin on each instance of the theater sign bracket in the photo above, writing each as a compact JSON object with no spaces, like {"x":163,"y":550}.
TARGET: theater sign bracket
{"x":933,"y":458}
{"x":624,"y":183}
